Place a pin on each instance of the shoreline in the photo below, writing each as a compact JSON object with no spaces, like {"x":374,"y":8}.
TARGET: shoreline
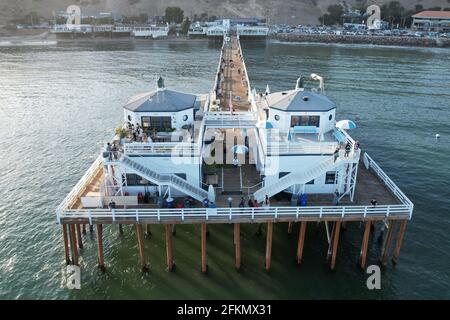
{"x":362,"y":39}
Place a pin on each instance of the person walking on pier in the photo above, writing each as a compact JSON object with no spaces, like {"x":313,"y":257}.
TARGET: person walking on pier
{"x":347,"y":149}
{"x":242,"y":203}
{"x":336,"y":154}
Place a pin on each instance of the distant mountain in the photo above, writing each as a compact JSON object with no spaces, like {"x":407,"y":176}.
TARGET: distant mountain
{"x":279,"y":11}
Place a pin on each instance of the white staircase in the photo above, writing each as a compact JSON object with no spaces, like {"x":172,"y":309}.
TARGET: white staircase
{"x":303,"y":177}
{"x":165,"y":179}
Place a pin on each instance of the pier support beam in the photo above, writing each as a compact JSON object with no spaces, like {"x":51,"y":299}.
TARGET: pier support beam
{"x":169,"y":247}
{"x":387,"y":244}
{"x":398,"y":244}
{"x":301,"y":242}
{"x":140,"y":238}
{"x":269,"y":245}
{"x":120,"y":229}
{"x":365,"y":245}
{"x":66,"y":244}
{"x":237,"y":245}
{"x":80,"y":240}
{"x":290,"y":225}
{"x":337,"y":230}
{"x":203,"y":236}
{"x":148,"y":232}
{"x":73,"y":244}
{"x":101,"y":260}
{"x":84,"y":229}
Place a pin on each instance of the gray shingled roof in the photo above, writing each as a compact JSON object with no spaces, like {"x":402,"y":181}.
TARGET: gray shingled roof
{"x":162,"y":101}
{"x":297,"y":100}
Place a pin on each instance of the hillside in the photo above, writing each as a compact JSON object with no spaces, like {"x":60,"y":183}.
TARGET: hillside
{"x":279,"y":11}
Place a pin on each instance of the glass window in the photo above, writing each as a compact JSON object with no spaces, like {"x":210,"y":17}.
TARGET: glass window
{"x":311,"y":182}
{"x":330,"y":178}
{"x":157,"y":123}
{"x":135,"y":180}
{"x":282,"y":174}
{"x":181,"y":175}
{"x":305,"y":121}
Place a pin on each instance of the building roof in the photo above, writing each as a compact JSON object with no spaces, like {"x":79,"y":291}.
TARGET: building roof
{"x":162,"y":101}
{"x":433,"y":14}
{"x":298,"y":100}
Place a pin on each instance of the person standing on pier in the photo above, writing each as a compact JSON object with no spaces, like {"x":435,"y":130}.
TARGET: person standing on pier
{"x":347,"y":149}
{"x":336,"y":154}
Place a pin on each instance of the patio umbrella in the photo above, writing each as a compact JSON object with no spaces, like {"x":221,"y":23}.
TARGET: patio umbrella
{"x":211,"y":194}
{"x":239,"y":149}
{"x":346,"y":124}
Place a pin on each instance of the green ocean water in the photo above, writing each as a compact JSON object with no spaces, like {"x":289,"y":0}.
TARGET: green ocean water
{"x":58,"y":106}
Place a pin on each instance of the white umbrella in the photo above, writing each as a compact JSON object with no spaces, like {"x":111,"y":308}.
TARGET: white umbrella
{"x":239,"y":149}
{"x":211,"y":193}
{"x":346,"y":124}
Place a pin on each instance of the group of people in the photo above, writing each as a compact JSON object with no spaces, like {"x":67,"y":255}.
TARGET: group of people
{"x":112,"y":150}
{"x":347,"y":148}
{"x":251,"y":203}
{"x":138,"y":133}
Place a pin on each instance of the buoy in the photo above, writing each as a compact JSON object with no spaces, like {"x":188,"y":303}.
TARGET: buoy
{"x":438,"y":135}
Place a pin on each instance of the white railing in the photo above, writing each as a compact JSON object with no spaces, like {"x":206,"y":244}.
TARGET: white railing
{"x":389,"y":183}
{"x":162,"y":148}
{"x":302,"y":148}
{"x":81,"y":184}
{"x":230,"y":214}
{"x":249,"y":89}
{"x":216,"y":79}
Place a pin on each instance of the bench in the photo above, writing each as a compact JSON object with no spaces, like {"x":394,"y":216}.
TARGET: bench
{"x":304,"y":129}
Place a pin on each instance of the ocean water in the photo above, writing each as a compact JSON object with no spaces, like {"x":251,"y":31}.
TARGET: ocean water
{"x":58,"y":105}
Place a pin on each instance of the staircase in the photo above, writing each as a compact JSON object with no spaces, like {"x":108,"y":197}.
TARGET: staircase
{"x":165,"y":179}
{"x":303,"y":177}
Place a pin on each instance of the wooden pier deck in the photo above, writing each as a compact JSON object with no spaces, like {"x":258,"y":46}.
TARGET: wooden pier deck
{"x":234,"y":82}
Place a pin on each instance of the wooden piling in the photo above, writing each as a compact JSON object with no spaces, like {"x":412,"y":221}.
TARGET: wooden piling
{"x":169,"y":247}
{"x":290,"y":224}
{"x":301,"y":242}
{"x":388,"y":242}
{"x":398,"y":244}
{"x":269,"y":245}
{"x":203,"y":236}
{"x":140,"y":238}
{"x":84,"y":229}
{"x":337,"y":229}
{"x":73,"y":244}
{"x":80,"y":240}
{"x":66,"y":244}
{"x":101,"y":260}
{"x":365,"y":245}
{"x":237,"y":245}
{"x":148,"y":232}
{"x":120,"y":229}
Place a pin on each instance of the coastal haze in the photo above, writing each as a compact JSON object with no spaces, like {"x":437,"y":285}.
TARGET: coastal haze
{"x":278,"y":11}
{"x":60,"y":104}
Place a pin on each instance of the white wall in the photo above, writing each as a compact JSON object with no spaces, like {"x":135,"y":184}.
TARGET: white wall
{"x":177,"y":117}
{"x":300,"y":164}
{"x":285,"y":119}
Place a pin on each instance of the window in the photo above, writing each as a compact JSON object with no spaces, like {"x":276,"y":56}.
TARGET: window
{"x":330,"y":117}
{"x":129,"y":117}
{"x":311,"y":182}
{"x":135,"y":180}
{"x":157,"y":123}
{"x":282,"y":174}
{"x":277,"y":117}
{"x":185,"y":117}
{"x":313,"y":121}
{"x":181,"y":175}
{"x":330,"y":178}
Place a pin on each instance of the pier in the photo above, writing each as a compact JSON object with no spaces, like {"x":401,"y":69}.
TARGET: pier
{"x":233,"y":105}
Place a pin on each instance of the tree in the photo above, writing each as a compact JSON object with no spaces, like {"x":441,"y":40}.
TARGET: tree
{"x":418,"y":7}
{"x":185,"y":25}
{"x":334,"y":15}
{"x":174,"y":15}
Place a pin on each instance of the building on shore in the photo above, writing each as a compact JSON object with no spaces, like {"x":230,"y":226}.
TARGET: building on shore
{"x":431,"y":21}
{"x":243,"y":28}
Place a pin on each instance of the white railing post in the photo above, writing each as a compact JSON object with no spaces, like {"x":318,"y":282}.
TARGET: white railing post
{"x":388,"y":211}
{"x":321,"y":212}
{"x":58,"y":216}
{"x":137,"y":215}
{"x":276,"y":212}
{"x":230,"y":213}
{"x":159,"y":215}
{"x":343,"y":212}
{"x":182,"y":214}
{"x":113,"y":215}
{"x":296,"y":213}
{"x":253,"y":213}
{"x":365,"y":211}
